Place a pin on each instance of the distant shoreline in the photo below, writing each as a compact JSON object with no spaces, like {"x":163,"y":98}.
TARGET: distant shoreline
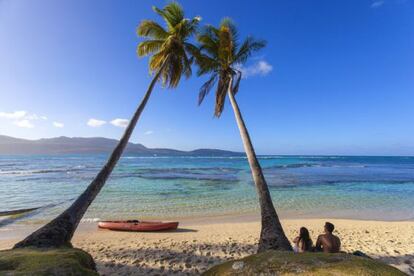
{"x":94,"y":145}
{"x":100,"y":145}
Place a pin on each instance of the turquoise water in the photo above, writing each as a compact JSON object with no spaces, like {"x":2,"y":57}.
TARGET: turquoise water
{"x":171,"y":187}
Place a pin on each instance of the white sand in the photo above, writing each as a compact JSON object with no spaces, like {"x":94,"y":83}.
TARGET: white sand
{"x":198,"y":245}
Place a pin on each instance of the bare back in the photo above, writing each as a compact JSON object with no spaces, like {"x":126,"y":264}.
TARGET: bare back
{"x":328,"y":243}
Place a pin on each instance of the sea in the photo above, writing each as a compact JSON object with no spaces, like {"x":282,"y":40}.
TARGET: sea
{"x":351,"y":187}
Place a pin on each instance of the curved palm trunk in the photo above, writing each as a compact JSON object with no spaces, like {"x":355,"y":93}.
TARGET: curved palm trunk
{"x":59,"y":231}
{"x":271,"y":235}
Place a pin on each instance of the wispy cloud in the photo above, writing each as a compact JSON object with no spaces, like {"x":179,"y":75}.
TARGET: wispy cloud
{"x":261,"y":68}
{"x":58,"y":125}
{"x":148,"y":132}
{"x":13,"y":115}
{"x":377,"y":4}
{"x":24,"y":124}
{"x":95,"y":122}
{"x":22,"y":118}
{"x":34,"y":116}
{"x":120,"y":122}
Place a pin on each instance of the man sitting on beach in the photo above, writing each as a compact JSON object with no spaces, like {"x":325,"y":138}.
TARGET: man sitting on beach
{"x":328,"y":242}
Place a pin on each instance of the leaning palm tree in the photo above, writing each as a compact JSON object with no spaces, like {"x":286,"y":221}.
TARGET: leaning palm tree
{"x":171,"y":57}
{"x":221,"y":56}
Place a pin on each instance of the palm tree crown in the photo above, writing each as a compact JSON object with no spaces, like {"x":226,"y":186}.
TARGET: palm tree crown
{"x":221,"y":55}
{"x":170,"y":47}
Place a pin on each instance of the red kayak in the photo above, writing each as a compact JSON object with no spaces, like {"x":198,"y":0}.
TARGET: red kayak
{"x":135,"y":225}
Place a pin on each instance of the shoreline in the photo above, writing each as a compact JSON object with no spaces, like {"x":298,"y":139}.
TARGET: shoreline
{"x":251,"y":215}
{"x":200,"y":243}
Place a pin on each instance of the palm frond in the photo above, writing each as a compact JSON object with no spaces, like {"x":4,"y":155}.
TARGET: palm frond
{"x":175,"y":13}
{"x":157,"y":60}
{"x":228,"y":23}
{"x":221,"y":93}
{"x":148,"y":47}
{"x":192,"y":49}
{"x":171,"y":74}
{"x":187,"y":62}
{"x":188,"y":27}
{"x":172,"y":13}
{"x":206,"y":64}
{"x":205,"y":89}
{"x":209,"y":40}
{"x":225,"y":46}
{"x":247,"y":48}
{"x":151,"y":29}
{"x":236,"y":81}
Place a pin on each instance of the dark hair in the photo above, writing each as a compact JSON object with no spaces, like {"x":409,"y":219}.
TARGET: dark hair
{"x":329,"y":227}
{"x":305,"y":239}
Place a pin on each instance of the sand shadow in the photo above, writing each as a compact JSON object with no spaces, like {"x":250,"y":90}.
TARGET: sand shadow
{"x":405,"y":262}
{"x":164,"y":261}
{"x":178,"y":230}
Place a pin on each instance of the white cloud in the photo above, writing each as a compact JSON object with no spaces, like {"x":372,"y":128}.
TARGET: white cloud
{"x":377,"y":4}
{"x":95,"y":122}
{"x":22,"y":118}
{"x":261,"y":68}
{"x":58,"y":125}
{"x":34,"y":116}
{"x":148,"y":132}
{"x":120,"y":122}
{"x":24,"y":123}
{"x":20,"y":115}
{"x":13,"y":115}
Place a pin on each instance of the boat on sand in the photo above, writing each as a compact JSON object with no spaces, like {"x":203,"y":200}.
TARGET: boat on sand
{"x":137,"y":226}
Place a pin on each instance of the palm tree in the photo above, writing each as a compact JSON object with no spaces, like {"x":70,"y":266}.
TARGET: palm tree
{"x":221,"y":56}
{"x":170,"y":52}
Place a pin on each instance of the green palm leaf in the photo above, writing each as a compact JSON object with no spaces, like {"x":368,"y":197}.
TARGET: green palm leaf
{"x":247,"y":48}
{"x":219,"y":54}
{"x":151,"y":29}
{"x":148,"y":47}
{"x":169,"y":46}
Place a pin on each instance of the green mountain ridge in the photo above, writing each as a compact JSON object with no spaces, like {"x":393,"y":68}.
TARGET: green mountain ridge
{"x":79,"y":145}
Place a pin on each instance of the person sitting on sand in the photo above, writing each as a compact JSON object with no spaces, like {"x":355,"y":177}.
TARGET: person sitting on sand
{"x":303,"y":242}
{"x":328,"y":242}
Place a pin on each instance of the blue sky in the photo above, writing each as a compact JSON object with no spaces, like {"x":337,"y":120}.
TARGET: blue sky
{"x":337,"y":76}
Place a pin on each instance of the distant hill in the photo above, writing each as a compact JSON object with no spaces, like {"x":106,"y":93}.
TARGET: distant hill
{"x":78,"y":145}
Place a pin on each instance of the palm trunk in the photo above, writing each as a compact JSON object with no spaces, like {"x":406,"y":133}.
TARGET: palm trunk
{"x":59,"y":231}
{"x":271,"y":235}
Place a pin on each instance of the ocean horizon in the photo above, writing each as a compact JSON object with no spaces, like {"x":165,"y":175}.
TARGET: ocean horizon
{"x":351,"y":187}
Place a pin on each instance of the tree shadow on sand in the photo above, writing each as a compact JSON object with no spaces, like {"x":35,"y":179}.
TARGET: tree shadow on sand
{"x":404,"y":263}
{"x":192,"y":258}
{"x":187,"y":259}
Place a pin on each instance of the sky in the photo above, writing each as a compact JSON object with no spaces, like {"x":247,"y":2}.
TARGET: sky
{"x":336,"y":77}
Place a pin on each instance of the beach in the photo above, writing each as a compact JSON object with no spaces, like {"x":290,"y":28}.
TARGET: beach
{"x":369,"y":199}
{"x":202,"y":243}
